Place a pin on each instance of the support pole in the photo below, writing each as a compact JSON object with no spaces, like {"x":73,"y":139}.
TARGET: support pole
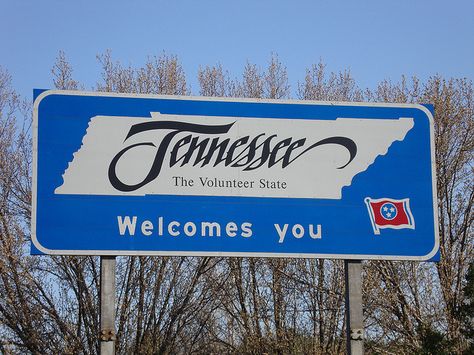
{"x":107,"y":305}
{"x":354,"y":314}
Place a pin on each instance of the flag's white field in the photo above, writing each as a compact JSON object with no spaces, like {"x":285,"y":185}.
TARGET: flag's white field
{"x":321,"y":172}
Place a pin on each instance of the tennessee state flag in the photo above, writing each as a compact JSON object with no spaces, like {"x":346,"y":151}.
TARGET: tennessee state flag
{"x":390,"y":213}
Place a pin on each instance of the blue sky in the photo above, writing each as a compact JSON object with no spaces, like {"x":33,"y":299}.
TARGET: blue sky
{"x":375,"y":39}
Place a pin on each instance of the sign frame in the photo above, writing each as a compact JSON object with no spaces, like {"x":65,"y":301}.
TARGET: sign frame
{"x":38,"y":248}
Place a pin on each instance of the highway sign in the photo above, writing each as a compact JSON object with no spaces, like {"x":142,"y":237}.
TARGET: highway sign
{"x":123,"y":174}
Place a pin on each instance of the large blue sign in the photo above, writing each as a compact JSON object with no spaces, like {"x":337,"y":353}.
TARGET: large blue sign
{"x":163,"y":175}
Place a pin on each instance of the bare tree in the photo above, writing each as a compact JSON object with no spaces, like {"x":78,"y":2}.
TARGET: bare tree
{"x":417,"y":304}
{"x":30,"y":318}
{"x":238,"y":305}
{"x":213,"y":81}
{"x":335,"y":87}
{"x":62,"y":74}
{"x":160,"y":75}
{"x":275,"y":80}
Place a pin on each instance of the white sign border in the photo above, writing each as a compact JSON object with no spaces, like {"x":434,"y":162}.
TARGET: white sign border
{"x":45,"y":250}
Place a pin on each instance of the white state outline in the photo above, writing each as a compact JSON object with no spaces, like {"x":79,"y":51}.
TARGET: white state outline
{"x":46,"y":93}
{"x":158,"y":115}
{"x":406,"y":206}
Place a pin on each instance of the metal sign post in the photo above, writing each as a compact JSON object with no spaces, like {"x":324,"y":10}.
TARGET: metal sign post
{"x":354,"y":313}
{"x":107,"y":305}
